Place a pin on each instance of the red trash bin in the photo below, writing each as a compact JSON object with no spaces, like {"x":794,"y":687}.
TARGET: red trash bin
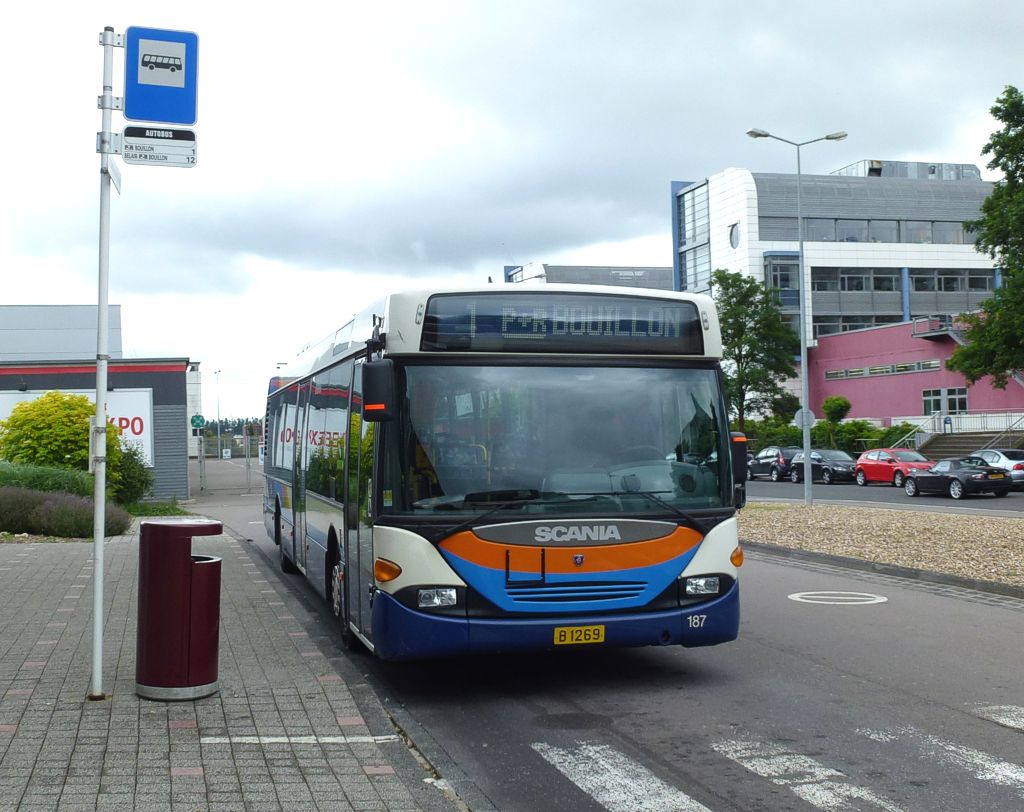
{"x":178,"y":633}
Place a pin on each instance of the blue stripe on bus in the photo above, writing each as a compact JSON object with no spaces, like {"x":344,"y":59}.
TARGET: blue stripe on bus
{"x":401,"y":633}
{"x":522,"y":592}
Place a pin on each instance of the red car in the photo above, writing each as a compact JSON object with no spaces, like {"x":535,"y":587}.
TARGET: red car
{"x":890,"y":465}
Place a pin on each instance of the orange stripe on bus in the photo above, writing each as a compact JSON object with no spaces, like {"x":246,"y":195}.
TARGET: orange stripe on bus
{"x":597,"y":558}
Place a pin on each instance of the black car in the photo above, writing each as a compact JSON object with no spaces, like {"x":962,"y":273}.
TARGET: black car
{"x":827,"y":464}
{"x":773,"y":462}
{"x":958,"y":477}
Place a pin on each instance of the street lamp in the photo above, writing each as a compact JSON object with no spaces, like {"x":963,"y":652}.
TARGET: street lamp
{"x":805,"y":415}
{"x":217,"y":375}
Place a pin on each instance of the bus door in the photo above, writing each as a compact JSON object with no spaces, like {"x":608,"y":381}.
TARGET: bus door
{"x":297,"y":544}
{"x":359,"y":528}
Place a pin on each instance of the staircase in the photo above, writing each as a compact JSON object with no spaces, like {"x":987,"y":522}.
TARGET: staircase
{"x":956,"y":445}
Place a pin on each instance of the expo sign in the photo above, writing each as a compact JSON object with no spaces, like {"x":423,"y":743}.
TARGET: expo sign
{"x":128,"y":410}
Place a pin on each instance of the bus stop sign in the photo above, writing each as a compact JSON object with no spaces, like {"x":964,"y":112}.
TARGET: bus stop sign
{"x":160,"y":75}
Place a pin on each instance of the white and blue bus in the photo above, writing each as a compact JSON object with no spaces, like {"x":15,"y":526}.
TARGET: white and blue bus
{"x":510,"y":468}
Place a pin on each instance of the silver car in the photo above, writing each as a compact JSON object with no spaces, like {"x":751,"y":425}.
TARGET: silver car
{"x":1009,"y":459}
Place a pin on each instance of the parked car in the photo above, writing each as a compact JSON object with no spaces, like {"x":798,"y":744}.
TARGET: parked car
{"x":772,"y":462}
{"x":958,"y":477}
{"x":827,"y":464}
{"x":1009,"y":459}
{"x":889,"y":465}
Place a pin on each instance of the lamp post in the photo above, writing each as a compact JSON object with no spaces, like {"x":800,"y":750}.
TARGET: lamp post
{"x":806,"y":416}
{"x":219,"y":452}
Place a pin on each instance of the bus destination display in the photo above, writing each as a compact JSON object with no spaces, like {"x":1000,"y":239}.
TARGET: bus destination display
{"x":560,"y":322}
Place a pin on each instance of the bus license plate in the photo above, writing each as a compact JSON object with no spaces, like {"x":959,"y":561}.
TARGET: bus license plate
{"x":574,"y":635}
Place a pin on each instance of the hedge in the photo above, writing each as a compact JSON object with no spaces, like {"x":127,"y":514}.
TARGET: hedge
{"x":55,"y":513}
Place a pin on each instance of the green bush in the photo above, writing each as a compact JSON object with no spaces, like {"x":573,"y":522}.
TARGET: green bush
{"x":53,"y":430}
{"x":48,"y":513}
{"x":46,"y":478}
{"x":16,"y":505}
{"x":894,"y":434}
{"x":853,"y":436}
{"x":135,"y":480}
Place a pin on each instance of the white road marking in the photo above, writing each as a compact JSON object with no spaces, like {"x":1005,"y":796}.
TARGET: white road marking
{"x":838,"y":598}
{"x":1005,"y":715}
{"x":984,"y":766}
{"x":616,"y":782}
{"x":297,"y":739}
{"x":812,"y":781}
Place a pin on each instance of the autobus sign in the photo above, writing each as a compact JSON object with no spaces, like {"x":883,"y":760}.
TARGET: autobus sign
{"x":159,"y":146}
{"x":160,"y":75}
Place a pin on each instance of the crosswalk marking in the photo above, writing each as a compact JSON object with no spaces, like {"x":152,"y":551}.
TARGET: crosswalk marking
{"x":810,"y":780}
{"x":983,"y":766}
{"x":1005,"y":715}
{"x":615,"y":781}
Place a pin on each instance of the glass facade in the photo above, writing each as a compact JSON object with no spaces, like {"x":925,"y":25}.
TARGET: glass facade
{"x":694,"y":226}
{"x":828,"y":229}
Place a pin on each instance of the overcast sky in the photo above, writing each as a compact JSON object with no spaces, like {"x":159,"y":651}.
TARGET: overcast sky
{"x":346,"y":149}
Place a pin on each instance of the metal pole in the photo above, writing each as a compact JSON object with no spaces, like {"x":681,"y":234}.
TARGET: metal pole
{"x":248,"y":457}
{"x":102,"y":356}
{"x":220,"y":453}
{"x":805,"y":288}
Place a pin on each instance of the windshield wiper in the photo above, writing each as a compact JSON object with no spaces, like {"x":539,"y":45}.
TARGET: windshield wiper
{"x":696,"y":523}
{"x":519,"y":498}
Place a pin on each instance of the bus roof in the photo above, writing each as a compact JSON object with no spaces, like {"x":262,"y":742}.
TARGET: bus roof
{"x":403,"y":314}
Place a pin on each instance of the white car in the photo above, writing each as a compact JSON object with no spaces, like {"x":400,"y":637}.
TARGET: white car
{"x":1009,"y":459}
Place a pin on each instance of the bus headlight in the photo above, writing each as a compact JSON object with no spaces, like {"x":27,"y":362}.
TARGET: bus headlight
{"x":707,"y":585}
{"x":441,"y":596}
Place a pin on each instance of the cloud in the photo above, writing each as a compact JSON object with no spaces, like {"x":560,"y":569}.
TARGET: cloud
{"x":388,"y":143}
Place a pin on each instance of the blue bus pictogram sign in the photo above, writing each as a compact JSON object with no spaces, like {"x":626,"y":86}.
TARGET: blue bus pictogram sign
{"x":160,"y":75}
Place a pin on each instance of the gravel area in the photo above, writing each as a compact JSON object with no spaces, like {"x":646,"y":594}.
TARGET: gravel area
{"x":984,"y":548}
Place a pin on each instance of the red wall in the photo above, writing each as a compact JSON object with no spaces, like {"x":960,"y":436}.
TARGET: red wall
{"x":884,"y":396}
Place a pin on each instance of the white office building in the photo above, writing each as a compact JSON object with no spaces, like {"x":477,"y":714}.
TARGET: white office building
{"x":884,"y":241}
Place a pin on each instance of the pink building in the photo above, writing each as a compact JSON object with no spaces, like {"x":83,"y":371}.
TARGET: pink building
{"x":898,"y":371}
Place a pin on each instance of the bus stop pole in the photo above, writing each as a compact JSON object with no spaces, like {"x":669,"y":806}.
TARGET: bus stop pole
{"x":99,"y":438}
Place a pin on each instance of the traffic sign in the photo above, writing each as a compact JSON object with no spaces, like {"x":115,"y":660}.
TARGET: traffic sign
{"x":158,"y":146}
{"x":804,"y":418}
{"x":160,"y":75}
{"x":198,"y":421}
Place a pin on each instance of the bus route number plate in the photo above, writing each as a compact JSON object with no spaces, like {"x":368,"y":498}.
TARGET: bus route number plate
{"x":574,"y":635}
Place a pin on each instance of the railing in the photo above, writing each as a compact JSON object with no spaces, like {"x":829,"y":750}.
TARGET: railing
{"x":938,"y":323}
{"x":1016,"y":427}
{"x":980,"y":420}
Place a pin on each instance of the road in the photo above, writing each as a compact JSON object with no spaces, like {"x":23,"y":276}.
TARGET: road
{"x":911,"y":700}
{"x":878,"y":495}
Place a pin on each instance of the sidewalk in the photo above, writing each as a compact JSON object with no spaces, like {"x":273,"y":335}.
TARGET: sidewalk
{"x":285,"y":731}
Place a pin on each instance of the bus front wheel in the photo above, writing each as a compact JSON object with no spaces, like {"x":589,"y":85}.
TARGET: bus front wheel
{"x":336,"y":595}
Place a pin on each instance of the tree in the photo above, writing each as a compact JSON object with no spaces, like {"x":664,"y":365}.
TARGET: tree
{"x":995,"y":333}
{"x":53,"y":430}
{"x":836,"y":407}
{"x":757,"y":346}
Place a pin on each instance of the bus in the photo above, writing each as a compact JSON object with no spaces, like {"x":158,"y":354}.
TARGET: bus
{"x":512,"y":468}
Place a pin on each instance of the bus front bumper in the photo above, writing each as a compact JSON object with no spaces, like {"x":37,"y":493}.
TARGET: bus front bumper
{"x":400,"y":633}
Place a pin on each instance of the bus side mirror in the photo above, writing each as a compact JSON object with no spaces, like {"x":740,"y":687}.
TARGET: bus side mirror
{"x":738,"y":445}
{"x":379,"y":391}
{"x":739,"y":456}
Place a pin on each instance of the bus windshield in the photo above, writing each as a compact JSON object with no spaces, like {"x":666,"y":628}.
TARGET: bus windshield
{"x":604,"y":440}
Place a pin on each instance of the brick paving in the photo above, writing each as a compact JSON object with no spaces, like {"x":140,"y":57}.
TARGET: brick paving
{"x":285,"y":731}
